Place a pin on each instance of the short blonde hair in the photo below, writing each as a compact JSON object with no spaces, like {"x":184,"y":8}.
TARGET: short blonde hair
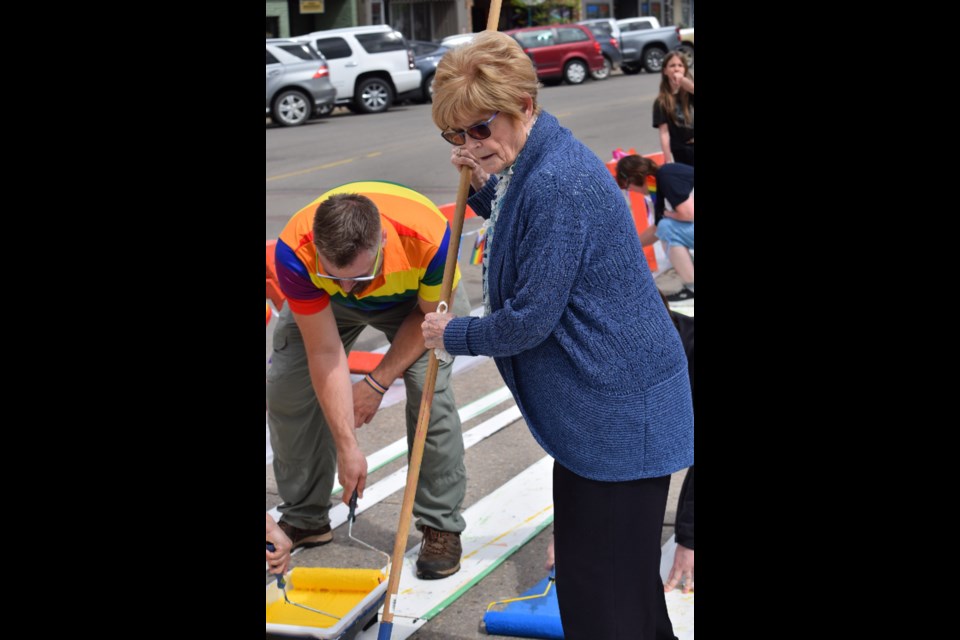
{"x":491,"y":73}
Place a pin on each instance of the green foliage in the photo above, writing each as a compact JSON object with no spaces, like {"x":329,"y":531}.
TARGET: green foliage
{"x":548,"y":12}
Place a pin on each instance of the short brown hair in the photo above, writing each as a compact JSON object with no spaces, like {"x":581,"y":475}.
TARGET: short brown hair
{"x":345,"y":224}
{"x":634,"y":170}
{"x":491,"y":73}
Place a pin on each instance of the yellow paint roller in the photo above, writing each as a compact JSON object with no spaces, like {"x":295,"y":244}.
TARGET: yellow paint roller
{"x":281,"y":583}
{"x":329,"y":579}
{"x":338,"y":591}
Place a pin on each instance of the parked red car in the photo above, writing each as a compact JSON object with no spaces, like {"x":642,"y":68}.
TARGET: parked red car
{"x":561,"y":52}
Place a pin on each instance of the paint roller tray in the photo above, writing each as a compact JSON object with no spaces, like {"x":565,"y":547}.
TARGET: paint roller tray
{"x":354,"y":595}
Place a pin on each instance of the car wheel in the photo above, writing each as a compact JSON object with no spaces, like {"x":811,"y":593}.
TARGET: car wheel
{"x":290,"y":108}
{"x":687,"y":52}
{"x":653,"y":59}
{"x":428,"y":88}
{"x":575,"y":72}
{"x":373,"y":95}
{"x":604,"y":73}
{"x":629,"y":70}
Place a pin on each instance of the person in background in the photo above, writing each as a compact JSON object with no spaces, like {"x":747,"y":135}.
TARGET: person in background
{"x":577,"y":331}
{"x":673,"y":212}
{"x":673,"y":110}
{"x":682,"y":570}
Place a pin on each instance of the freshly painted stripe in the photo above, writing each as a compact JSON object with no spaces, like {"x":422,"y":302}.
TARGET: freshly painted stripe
{"x":397,"y":480}
{"x":396,"y":449}
{"x":494,"y":534}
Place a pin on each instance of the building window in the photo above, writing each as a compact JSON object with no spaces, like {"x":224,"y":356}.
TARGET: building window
{"x":273,"y":27}
{"x":654,"y":9}
{"x":413,"y":19}
{"x":598,"y":11}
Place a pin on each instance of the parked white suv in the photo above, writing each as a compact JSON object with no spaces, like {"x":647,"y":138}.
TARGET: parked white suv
{"x":369,"y":66}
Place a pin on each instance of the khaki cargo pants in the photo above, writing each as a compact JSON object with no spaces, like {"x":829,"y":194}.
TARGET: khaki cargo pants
{"x":304,"y":453}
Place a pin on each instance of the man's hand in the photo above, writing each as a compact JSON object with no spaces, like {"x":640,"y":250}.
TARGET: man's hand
{"x":352,"y":471}
{"x":366,"y":402}
{"x":682,"y":570}
{"x":279,"y":558}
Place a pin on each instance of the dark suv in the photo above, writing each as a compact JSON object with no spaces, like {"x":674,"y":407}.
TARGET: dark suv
{"x":426,"y":55}
{"x":609,"y":44}
{"x":561,"y":52}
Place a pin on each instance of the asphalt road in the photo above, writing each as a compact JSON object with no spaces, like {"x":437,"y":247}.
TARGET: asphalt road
{"x":404,"y":146}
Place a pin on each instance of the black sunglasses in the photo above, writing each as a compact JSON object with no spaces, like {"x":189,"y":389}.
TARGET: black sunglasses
{"x":479,"y":131}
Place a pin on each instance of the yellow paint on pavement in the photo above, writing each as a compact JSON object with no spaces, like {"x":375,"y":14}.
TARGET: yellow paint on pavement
{"x":311,"y":169}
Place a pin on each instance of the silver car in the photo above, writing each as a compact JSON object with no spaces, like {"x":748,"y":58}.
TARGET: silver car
{"x":298,"y":83}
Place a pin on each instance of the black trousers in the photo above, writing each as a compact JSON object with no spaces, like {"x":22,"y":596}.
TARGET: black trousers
{"x":607,"y":551}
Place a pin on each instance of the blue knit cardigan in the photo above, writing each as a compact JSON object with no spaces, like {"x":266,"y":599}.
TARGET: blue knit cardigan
{"x":577,"y":329}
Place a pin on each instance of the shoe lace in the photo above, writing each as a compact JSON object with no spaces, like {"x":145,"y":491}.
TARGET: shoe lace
{"x":434,"y":542}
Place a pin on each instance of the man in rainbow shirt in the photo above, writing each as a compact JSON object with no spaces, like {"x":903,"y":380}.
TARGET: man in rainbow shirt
{"x":372,"y":253}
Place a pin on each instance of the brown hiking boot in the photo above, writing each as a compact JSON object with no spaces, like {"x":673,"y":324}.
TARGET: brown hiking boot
{"x":440,"y":553}
{"x":306,"y":538}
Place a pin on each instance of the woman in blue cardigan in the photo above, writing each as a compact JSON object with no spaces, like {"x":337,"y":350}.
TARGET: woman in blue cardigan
{"x":577,"y":329}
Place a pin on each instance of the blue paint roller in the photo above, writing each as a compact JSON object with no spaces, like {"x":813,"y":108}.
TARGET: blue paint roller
{"x":535,"y":614}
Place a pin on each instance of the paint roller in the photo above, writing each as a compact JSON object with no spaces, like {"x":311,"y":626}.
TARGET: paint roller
{"x":351,"y":518}
{"x":281,"y":583}
{"x":535,"y":614}
{"x":309,"y":579}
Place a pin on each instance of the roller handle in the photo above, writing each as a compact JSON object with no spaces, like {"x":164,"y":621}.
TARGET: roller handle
{"x":352,"y":516}
{"x":280,"y":582}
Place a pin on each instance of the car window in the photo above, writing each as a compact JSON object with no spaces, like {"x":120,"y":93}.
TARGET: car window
{"x":635,"y":26}
{"x":422,"y":49}
{"x":380,"y":42}
{"x":333,"y":48}
{"x":457,"y":40}
{"x":569,"y":34}
{"x":601,"y":30}
{"x":534,"y":39}
{"x":302,"y":51}
{"x":271,"y":59}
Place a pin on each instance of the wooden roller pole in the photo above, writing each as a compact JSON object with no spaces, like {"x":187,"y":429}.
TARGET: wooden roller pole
{"x":423,"y":420}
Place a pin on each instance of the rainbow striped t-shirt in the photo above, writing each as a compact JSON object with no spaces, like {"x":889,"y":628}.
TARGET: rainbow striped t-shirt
{"x":413,"y":257}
